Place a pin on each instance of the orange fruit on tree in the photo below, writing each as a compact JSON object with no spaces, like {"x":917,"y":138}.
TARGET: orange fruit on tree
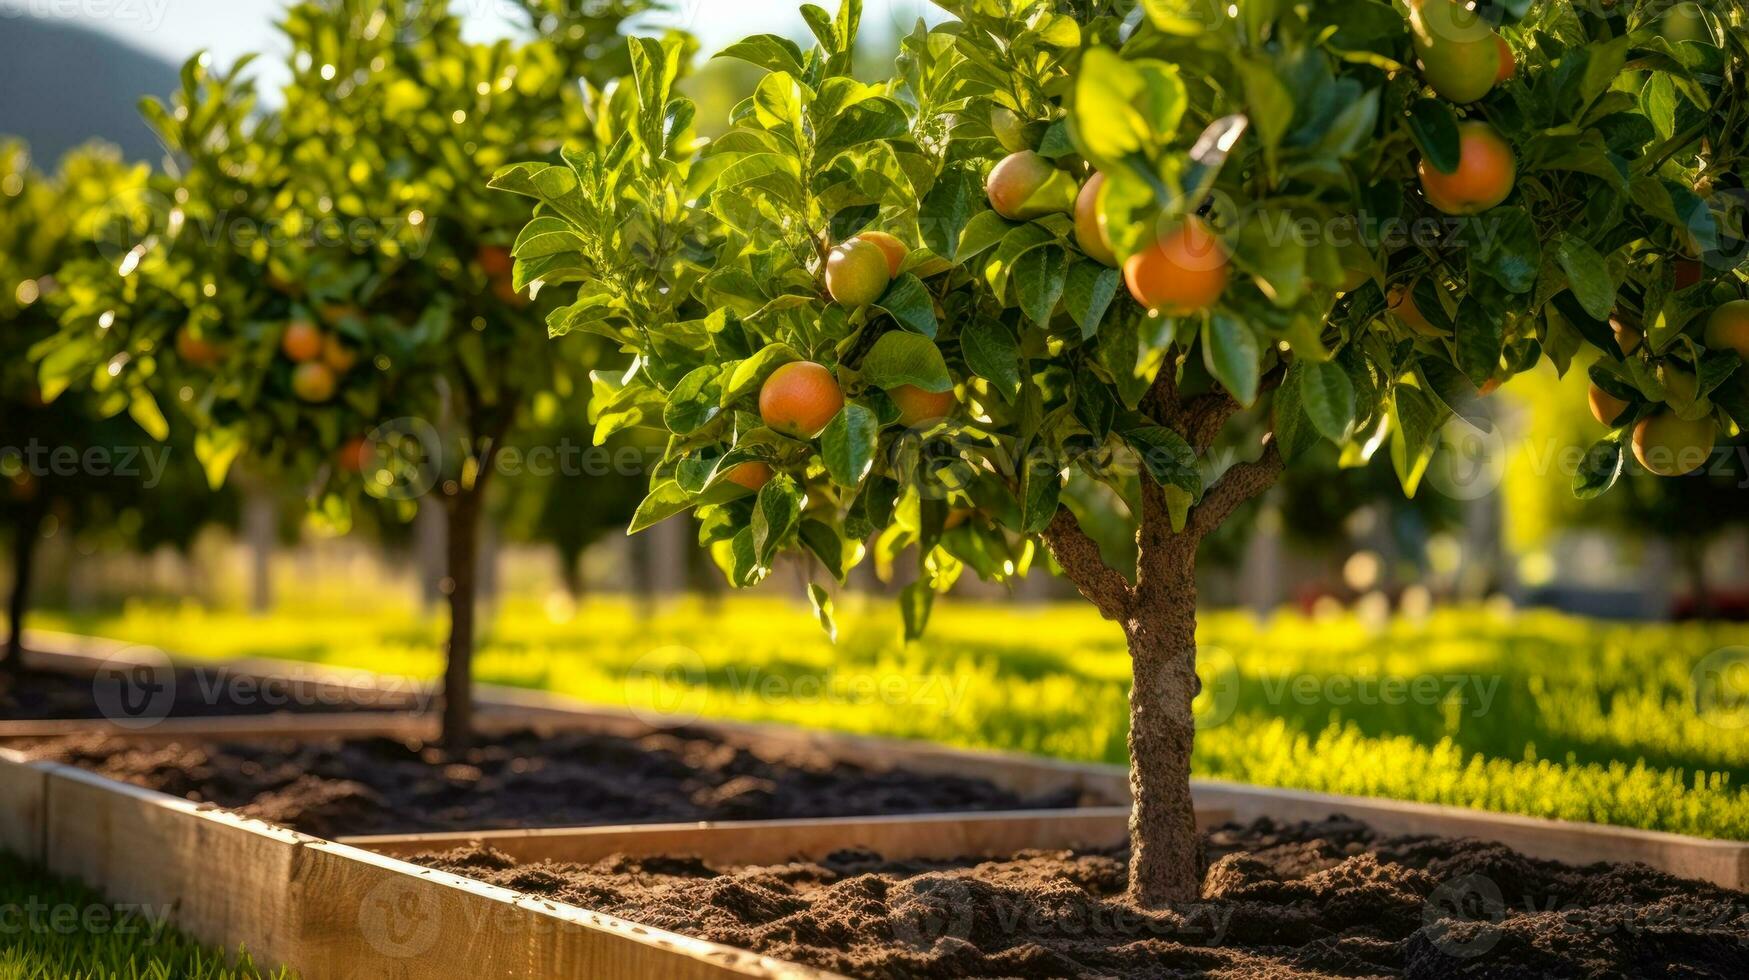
{"x":197,"y":351}
{"x":1089,"y":234}
{"x":1605,"y":407}
{"x":857,"y":273}
{"x":314,"y":381}
{"x":1185,"y":270}
{"x":919,"y":407}
{"x":338,"y":354}
{"x":890,"y":246}
{"x":1484,"y":177}
{"x":1402,"y":303}
{"x":302,"y":341}
{"x":355,"y":455}
{"x":1026,"y":186}
{"x":1626,"y":337}
{"x":1459,"y":52}
{"x":496,"y":261}
{"x":800,"y":398}
{"x":752,"y":475}
{"x":1728,"y":328}
{"x":1508,"y":61}
{"x":1671,"y":446}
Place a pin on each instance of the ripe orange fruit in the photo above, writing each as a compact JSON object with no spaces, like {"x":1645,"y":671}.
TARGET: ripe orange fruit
{"x":302,"y":341}
{"x":1183,"y":271}
{"x":1671,"y":446}
{"x":856,"y":273}
{"x":1605,"y":407}
{"x":1485,"y":173}
{"x":1402,"y":302}
{"x":1026,"y":186}
{"x":800,"y":398}
{"x":918,"y":407}
{"x":197,"y":351}
{"x":1626,"y":337}
{"x":751,"y":475}
{"x":496,"y":261}
{"x":355,"y":455}
{"x":891,"y":247}
{"x":1728,"y":328}
{"x":338,"y":354}
{"x":1088,"y":233}
{"x":313,"y":382}
{"x":1508,"y":61}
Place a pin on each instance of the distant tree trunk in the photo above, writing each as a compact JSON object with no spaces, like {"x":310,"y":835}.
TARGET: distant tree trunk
{"x":261,"y":534}
{"x":27,"y":532}
{"x":1693,"y":556}
{"x":463,"y":511}
{"x":571,"y":572}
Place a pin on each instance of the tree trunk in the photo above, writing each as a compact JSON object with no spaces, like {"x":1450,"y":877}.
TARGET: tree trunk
{"x":27,"y":533}
{"x":1166,"y":850}
{"x":462,"y":547}
{"x":261,"y":531}
{"x":1693,"y":553}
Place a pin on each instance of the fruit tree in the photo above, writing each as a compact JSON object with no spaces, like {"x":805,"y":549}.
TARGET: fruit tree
{"x":329,"y":288}
{"x":1333,"y":220}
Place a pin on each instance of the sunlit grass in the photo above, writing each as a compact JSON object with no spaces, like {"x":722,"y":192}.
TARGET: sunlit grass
{"x":54,"y":929}
{"x":1534,"y":713}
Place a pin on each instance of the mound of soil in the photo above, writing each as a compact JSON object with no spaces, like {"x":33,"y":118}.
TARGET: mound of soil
{"x":356,"y":787}
{"x":193,"y":692}
{"x":1324,"y":899}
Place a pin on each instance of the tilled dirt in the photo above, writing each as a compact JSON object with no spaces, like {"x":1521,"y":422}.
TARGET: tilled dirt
{"x":1329,"y":899}
{"x":356,"y":787}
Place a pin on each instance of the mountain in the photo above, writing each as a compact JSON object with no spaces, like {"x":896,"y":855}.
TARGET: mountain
{"x":66,"y":84}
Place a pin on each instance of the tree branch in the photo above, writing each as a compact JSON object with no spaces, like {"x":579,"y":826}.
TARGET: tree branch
{"x":1243,"y":482}
{"x":1079,"y":555}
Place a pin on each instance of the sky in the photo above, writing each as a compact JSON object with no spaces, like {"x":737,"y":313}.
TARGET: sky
{"x":176,"y":29}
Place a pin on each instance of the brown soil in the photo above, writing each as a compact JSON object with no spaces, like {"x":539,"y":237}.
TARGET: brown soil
{"x":384,"y":786}
{"x":182,"y":693}
{"x":1326,"y":899}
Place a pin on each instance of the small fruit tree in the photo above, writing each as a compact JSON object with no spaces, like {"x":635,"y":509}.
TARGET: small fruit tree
{"x":1140,"y":256}
{"x":329,"y":290}
{"x":44,"y":451}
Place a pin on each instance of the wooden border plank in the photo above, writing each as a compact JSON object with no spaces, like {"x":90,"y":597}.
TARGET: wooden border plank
{"x":1724,"y":863}
{"x":938,"y":836}
{"x":23,"y":789}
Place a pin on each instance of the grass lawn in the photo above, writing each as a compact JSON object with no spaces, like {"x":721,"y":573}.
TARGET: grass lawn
{"x":1526,"y":712}
{"x":53,"y":929}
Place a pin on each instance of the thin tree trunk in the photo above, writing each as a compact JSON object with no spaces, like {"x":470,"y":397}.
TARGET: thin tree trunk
{"x":27,"y":533}
{"x":1693,"y":554}
{"x":463,"y":511}
{"x":1166,"y":849}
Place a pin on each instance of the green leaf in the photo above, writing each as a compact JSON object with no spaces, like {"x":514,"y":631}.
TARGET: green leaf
{"x":1328,"y":397}
{"x":992,"y":353}
{"x":1481,"y":336}
{"x":847,"y":446}
{"x":1294,"y":432}
{"x":1414,"y":420}
{"x":1589,"y":275}
{"x":1040,"y":496}
{"x":775,"y":514}
{"x":1231,"y":353}
{"x":915,"y":602}
{"x":750,"y":374}
{"x":946,"y":210}
{"x":768,"y":51}
{"x":1507,"y":248}
{"x":1434,"y":126}
{"x":1088,"y":292}
{"x":217,"y":448}
{"x":1600,"y":469}
{"x":665,"y":500}
{"x":1039,"y":276}
{"x":983,"y":233}
{"x":1167,"y":457}
{"x":900,"y":358}
{"x":822,"y":603}
{"x":826,"y":544}
{"x":695,"y":401}
{"x":144,"y":409}
{"x":1123,"y":107}
{"x":908,"y":301}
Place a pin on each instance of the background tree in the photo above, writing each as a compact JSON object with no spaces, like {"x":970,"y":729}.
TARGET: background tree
{"x":345,"y":275}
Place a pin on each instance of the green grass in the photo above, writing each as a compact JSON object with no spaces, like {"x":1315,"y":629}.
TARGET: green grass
{"x":1526,"y":712}
{"x":54,"y":929}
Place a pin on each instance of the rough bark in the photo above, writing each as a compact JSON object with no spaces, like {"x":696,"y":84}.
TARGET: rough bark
{"x":26,"y":534}
{"x":463,"y":511}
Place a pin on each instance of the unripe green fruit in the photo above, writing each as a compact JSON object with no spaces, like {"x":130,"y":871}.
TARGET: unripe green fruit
{"x":1015,"y":134}
{"x":1026,"y":186}
{"x":1089,"y":234}
{"x":857,"y":273}
{"x":1728,"y":328}
{"x":313,"y":381}
{"x":1460,"y":56}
